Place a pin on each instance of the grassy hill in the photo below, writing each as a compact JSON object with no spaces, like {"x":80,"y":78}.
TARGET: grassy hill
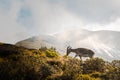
{"x":18,"y":63}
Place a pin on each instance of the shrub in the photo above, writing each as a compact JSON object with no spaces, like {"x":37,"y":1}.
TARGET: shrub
{"x":16,"y":71}
{"x":43,"y":54}
{"x":96,"y":74}
{"x":114,"y":74}
{"x":70,"y":69}
{"x":1,"y":59}
{"x":113,"y":70}
{"x":51,"y":53}
{"x":92,"y":65}
{"x":84,"y":77}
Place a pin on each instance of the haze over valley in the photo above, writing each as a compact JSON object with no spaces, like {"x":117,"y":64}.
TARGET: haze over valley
{"x":104,"y":43}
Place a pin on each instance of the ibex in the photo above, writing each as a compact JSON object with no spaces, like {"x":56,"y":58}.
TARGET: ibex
{"x":81,"y":52}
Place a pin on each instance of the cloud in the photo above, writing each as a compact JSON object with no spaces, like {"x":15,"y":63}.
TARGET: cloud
{"x":10,"y":30}
{"x":99,"y":11}
{"x":23,"y":18}
{"x":114,"y":26}
{"x":51,"y":16}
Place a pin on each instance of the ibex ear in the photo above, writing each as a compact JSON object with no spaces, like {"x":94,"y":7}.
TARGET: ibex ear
{"x":69,"y":47}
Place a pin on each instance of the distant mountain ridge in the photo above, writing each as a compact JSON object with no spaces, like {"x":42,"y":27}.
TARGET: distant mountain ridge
{"x":106,"y":44}
{"x":37,"y":42}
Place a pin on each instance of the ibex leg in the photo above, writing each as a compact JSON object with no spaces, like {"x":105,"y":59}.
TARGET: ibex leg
{"x":75,"y":56}
{"x":80,"y":57}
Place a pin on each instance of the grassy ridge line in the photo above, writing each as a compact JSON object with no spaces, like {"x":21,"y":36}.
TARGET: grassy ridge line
{"x":9,"y":49}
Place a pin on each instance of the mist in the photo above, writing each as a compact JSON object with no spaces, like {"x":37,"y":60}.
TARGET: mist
{"x":20,"y":19}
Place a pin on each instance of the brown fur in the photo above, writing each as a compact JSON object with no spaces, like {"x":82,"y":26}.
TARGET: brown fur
{"x":81,"y":52}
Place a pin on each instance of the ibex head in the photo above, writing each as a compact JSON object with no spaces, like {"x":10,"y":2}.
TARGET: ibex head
{"x":68,"y":50}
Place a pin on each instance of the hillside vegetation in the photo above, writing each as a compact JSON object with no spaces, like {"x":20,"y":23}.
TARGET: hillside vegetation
{"x":18,"y":63}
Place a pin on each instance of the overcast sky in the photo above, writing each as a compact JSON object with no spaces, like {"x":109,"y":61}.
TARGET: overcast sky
{"x":20,"y":19}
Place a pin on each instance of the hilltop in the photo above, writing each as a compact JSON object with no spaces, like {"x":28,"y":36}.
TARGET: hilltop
{"x":19,"y":63}
{"x":9,"y":49}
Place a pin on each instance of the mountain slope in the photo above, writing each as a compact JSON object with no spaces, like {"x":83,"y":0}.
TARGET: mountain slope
{"x":104,"y":43}
{"x":37,"y":42}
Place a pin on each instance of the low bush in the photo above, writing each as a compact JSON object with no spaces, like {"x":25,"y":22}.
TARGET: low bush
{"x":51,"y":53}
{"x":85,"y":77}
{"x":70,"y":69}
{"x":96,"y":74}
